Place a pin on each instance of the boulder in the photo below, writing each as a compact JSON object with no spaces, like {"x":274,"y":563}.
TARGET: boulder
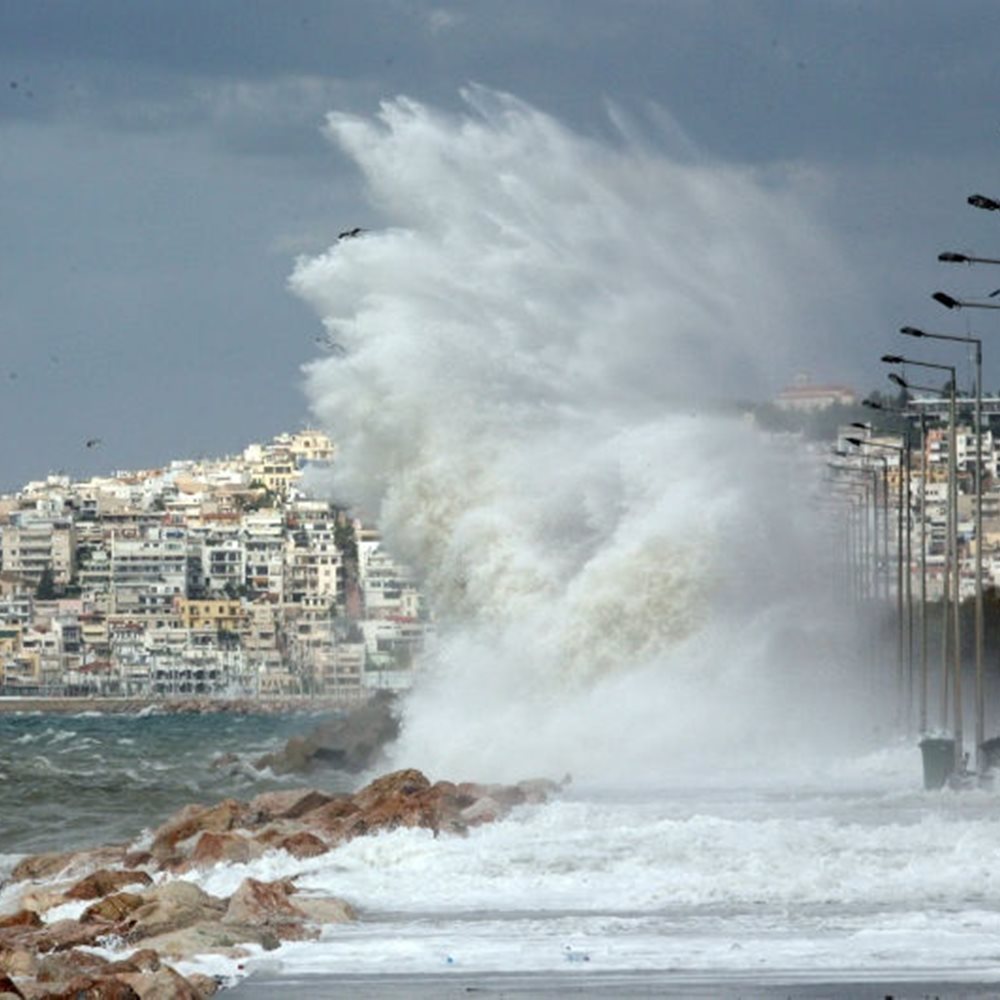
{"x":93,"y":988}
{"x":192,"y":820}
{"x":263,"y":904}
{"x":8,"y":988}
{"x":303,"y":845}
{"x":114,"y":908}
{"x":353,"y":743}
{"x":170,"y":907}
{"x":163,"y":983}
{"x":212,"y":937}
{"x":23,"y":918}
{"x":65,"y":934}
{"x":105,"y":881}
{"x":326,"y":909}
{"x":406,"y":783}
{"x":215,"y":848}
{"x":206,"y":986}
{"x":47,"y":866}
{"x":285,"y":804}
{"x":18,"y":959}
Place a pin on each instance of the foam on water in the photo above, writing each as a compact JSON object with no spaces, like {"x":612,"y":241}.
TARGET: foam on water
{"x":855,"y":881}
{"x":526,"y":395}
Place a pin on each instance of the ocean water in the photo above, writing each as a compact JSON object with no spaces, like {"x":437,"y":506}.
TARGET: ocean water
{"x":846,"y":870}
{"x":69,"y":781}
{"x":854,"y":874}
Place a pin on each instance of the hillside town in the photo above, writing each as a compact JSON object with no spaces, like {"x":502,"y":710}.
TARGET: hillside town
{"x":206,"y":577}
{"x":226,"y":577}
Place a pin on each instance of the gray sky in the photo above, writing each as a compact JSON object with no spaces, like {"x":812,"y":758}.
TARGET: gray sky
{"x":161,"y":166}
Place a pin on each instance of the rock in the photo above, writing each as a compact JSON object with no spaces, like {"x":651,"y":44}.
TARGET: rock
{"x":331,"y":817}
{"x":105,"y":881}
{"x":47,"y":866}
{"x":170,"y":907}
{"x":224,"y":760}
{"x":405,"y":783}
{"x":8,"y":988}
{"x":353,"y":743}
{"x":189,"y":821}
{"x":214,"y":848}
{"x":23,"y":918}
{"x":114,"y":908}
{"x":18,"y":959}
{"x":303,"y":845}
{"x":94,"y":988}
{"x":211,"y":936}
{"x":205,"y":985}
{"x":537,"y":790}
{"x":62,"y":966}
{"x":164,"y":983}
{"x":65,"y":934}
{"x":326,"y":909}
{"x":43,"y":898}
{"x":266,"y":904}
{"x":286,"y":804}
{"x":484,"y":810}
{"x":143,"y":960}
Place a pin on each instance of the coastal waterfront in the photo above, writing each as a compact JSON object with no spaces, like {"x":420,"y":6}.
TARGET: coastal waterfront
{"x":859,"y":876}
{"x":76,"y":779}
{"x":843,"y":873}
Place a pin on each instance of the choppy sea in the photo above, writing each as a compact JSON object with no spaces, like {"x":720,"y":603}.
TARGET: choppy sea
{"x":852,"y":871}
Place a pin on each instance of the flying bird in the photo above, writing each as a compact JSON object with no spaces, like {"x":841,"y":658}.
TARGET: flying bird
{"x":331,"y":345}
{"x":93,"y":442}
{"x":349,"y":234}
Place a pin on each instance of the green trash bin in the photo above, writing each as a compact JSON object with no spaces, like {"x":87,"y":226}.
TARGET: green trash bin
{"x":939,"y":761}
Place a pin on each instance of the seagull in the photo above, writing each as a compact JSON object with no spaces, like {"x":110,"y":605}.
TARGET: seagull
{"x":348,"y":234}
{"x":93,"y":442}
{"x":332,"y":346}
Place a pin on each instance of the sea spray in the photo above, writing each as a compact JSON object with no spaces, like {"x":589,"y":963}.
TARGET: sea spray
{"x":526,"y":395}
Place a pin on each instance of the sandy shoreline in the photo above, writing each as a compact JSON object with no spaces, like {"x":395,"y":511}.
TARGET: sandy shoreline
{"x":286,"y":705}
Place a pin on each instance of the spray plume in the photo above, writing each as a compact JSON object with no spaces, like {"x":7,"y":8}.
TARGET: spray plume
{"x":620,"y":572}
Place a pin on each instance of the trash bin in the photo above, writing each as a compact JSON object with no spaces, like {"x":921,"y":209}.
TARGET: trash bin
{"x":991,"y":753}
{"x":939,"y":760}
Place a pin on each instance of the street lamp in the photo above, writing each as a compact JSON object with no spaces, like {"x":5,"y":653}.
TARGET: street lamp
{"x":950,"y":257}
{"x":904,"y":669}
{"x":871,"y":404}
{"x":912,"y":331}
{"x":857,"y":442}
{"x":981,"y":201}
{"x":870,"y":539}
{"x":950,"y":302}
{"x":952,"y":562}
{"x":858,"y":554}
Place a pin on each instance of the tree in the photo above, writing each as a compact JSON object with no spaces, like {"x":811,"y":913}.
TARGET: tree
{"x":46,"y":589}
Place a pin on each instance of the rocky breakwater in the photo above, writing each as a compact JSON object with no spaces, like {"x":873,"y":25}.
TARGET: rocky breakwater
{"x":112,"y":922}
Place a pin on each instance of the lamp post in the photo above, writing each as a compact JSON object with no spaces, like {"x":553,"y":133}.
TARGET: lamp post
{"x":904,"y":669}
{"x":950,"y":257}
{"x":896,"y":359}
{"x":856,"y":534}
{"x":908,"y":580}
{"x":870,"y":535}
{"x":981,"y":201}
{"x":912,"y":331}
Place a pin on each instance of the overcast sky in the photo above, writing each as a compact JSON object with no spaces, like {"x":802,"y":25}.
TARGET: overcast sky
{"x":161,"y":167}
